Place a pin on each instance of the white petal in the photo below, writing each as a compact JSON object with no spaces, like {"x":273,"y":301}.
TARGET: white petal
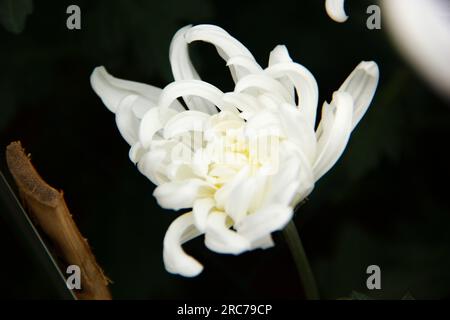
{"x":263,"y":82}
{"x":245,"y":197}
{"x":326,"y":117}
{"x":335,"y":9}
{"x":263,"y":123}
{"x":112,"y":90}
{"x":200,"y":162}
{"x":335,"y":135}
{"x":150,"y":124}
{"x":201,"y":209}
{"x":183,"y":69}
{"x":150,"y":92}
{"x":178,"y":170}
{"x":176,"y":260}
{"x":287,"y":175}
{"x":219,"y":38}
{"x":222,"y":122}
{"x":361,"y":85}
{"x":270,"y":102}
{"x":219,"y":238}
{"x":136,"y":152}
{"x":263,"y":243}
{"x":180,"y":62}
{"x":198,"y":88}
{"x":280,"y":54}
{"x":305,"y":84}
{"x":298,"y":130}
{"x":265,"y":221}
{"x":420,"y":29}
{"x":245,"y":102}
{"x":226,"y":45}
{"x":150,"y":165}
{"x":178,"y":195}
{"x":222,"y":195}
{"x":305,"y":178}
{"x":126,"y":120}
{"x":185,"y":121}
{"x":153,"y":121}
{"x":162,"y":161}
{"x":244,"y":62}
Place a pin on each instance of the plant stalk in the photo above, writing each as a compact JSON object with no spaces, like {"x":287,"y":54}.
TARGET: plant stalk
{"x":301,"y":261}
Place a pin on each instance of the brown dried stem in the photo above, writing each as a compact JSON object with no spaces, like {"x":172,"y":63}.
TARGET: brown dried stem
{"x":50,"y":212}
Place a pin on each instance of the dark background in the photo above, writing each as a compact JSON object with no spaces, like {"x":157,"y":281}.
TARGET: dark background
{"x":385,"y":202}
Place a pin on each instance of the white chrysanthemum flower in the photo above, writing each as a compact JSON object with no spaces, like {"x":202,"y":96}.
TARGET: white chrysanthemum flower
{"x":240,"y":160}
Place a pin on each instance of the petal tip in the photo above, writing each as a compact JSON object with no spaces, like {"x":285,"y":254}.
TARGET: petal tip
{"x":335,"y":10}
{"x":190,"y":268}
{"x":370,"y":67}
{"x":342,"y":97}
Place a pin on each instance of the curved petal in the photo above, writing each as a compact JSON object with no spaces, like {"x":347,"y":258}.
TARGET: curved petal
{"x":361,"y":85}
{"x":335,"y":134}
{"x":150,"y":165}
{"x":280,"y":54}
{"x":420,"y":30}
{"x":178,"y":195}
{"x":244,"y":62}
{"x":265,"y":83}
{"x":298,"y":130}
{"x":176,"y":261}
{"x":126,"y":120}
{"x":298,"y":190}
{"x":185,"y":121}
{"x":246,"y":196}
{"x":198,"y":88}
{"x":263,"y":243}
{"x":305,"y":84}
{"x":201,"y":209}
{"x":180,"y":62}
{"x":153,"y":121}
{"x":335,"y":9}
{"x":219,"y":238}
{"x":222,"y":195}
{"x":112,"y":90}
{"x":226,"y":45}
{"x":247,"y":103}
{"x":288,"y":174}
{"x":263,"y":222}
{"x":150,"y":124}
{"x":183,"y":69}
{"x":263,"y":123}
{"x":136,"y":152}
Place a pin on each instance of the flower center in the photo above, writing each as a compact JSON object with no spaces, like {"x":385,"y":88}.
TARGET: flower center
{"x":231,"y":147}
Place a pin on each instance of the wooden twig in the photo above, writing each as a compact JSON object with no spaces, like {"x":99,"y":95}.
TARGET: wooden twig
{"x":50,"y":212}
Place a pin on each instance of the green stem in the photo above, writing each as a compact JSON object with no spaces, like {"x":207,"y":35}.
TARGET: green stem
{"x":301,"y":261}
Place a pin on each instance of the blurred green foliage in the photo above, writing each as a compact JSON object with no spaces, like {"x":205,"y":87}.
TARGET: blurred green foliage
{"x":13,"y":14}
{"x":384,"y":203}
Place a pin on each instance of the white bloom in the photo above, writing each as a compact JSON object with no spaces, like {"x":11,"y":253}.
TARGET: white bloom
{"x":421,"y":31}
{"x":240,"y":160}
